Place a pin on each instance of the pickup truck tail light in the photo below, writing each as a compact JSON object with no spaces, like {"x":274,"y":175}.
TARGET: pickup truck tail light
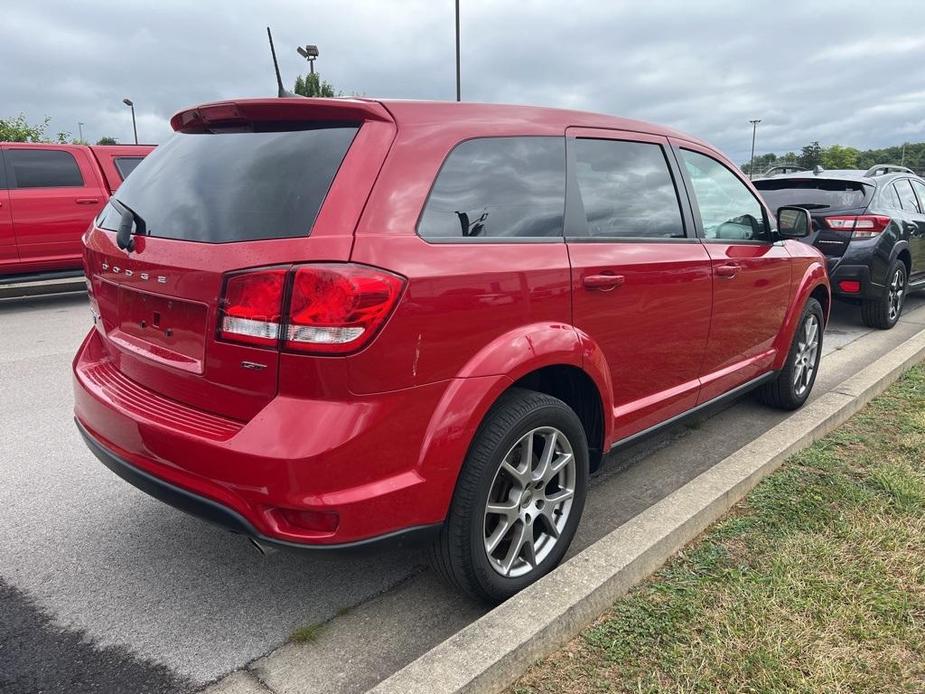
{"x":323,"y":308}
{"x":861,"y":226}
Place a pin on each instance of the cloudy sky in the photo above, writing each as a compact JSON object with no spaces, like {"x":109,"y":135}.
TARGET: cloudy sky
{"x":839,"y":72}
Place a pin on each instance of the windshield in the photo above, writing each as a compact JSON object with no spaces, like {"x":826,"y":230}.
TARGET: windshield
{"x":234,"y":186}
{"x":815,"y":194}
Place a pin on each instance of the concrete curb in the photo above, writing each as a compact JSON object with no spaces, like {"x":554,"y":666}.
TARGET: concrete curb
{"x":493,"y":651}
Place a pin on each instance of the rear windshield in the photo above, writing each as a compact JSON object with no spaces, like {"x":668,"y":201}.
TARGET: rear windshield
{"x":237,"y":186}
{"x":815,"y":194}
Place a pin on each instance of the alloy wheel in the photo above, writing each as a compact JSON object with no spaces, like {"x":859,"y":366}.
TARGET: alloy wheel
{"x":896,"y":293}
{"x":807,"y":348}
{"x":529,"y":501}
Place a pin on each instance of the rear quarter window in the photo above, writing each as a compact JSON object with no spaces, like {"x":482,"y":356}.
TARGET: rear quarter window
{"x":126,"y":165}
{"x":43,"y":168}
{"x":234,"y":186}
{"x":498,"y":187}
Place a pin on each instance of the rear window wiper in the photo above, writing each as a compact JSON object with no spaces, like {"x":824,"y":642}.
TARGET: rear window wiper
{"x":128,"y":219}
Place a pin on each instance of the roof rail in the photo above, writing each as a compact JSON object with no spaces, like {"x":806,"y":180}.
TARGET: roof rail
{"x":882,"y":169}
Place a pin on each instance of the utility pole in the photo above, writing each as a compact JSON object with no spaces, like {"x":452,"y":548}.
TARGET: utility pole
{"x":458,"y":89}
{"x":903,"y":162}
{"x":751,"y":166}
{"x":80,"y":128}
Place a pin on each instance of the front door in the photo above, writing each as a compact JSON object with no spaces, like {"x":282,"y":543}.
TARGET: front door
{"x":751,"y":273}
{"x":641,"y":283}
{"x":53,"y":199}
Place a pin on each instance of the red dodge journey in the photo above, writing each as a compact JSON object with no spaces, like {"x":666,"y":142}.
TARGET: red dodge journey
{"x":322,"y":323}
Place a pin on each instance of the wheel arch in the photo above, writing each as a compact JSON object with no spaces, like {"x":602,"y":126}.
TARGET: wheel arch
{"x":813,"y":284}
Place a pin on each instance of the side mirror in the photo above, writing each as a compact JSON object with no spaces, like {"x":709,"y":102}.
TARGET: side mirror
{"x":794,"y":222}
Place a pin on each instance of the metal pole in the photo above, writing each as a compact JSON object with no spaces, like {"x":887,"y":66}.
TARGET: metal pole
{"x":80,"y":128}
{"x":134,"y":127}
{"x":458,"y":90}
{"x":903,"y":162}
{"x":311,"y":66}
{"x":751,"y":166}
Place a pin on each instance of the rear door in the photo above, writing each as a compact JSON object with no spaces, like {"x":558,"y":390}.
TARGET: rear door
{"x":912,"y":195}
{"x":8,"y":255}
{"x":751,"y":274}
{"x":54,"y":195}
{"x":216,"y":202}
{"x":641,"y":283}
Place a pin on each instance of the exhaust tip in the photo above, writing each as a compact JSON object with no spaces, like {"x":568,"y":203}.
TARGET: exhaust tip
{"x":264,"y":549}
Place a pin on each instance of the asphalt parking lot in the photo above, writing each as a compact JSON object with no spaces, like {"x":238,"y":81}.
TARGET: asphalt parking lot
{"x":105,"y":589}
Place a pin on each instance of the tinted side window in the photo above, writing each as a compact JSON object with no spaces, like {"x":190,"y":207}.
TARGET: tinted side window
{"x":920,"y":189}
{"x":627,"y":189}
{"x":907,"y":195}
{"x":498,"y":187}
{"x":728,"y":209}
{"x":889,"y":198}
{"x":126,"y":165}
{"x":38,"y":168}
{"x":2,"y":172}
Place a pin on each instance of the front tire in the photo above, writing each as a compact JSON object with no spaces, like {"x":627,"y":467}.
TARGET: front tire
{"x":792,"y":386}
{"x":884,"y":312}
{"x":518,"y":500}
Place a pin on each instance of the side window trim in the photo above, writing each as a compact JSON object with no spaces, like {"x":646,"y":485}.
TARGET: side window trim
{"x":3,"y":174}
{"x":918,"y":194}
{"x":576,"y":223}
{"x":560,"y":238}
{"x":678,"y":146}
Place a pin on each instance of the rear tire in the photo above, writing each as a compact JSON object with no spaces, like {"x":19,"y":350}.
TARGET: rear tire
{"x":792,"y":386}
{"x":884,"y":312}
{"x":518,"y":499}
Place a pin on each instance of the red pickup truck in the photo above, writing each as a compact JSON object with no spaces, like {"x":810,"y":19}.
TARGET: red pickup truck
{"x":49,"y":194}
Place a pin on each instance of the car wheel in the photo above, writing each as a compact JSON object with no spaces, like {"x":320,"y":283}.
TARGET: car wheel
{"x":518,"y":500}
{"x":792,"y":386}
{"x":883,"y":313}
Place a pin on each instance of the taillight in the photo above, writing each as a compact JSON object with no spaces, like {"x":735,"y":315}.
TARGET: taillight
{"x":338,"y":308}
{"x":251,"y":309}
{"x":863,"y":226}
{"x":330,"y":308}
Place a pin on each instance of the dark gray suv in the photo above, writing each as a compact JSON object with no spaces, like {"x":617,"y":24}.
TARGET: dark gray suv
{"x":871,"y":227}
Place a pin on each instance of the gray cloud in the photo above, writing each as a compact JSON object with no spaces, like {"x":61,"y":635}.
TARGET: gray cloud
{"x":847,"y":72}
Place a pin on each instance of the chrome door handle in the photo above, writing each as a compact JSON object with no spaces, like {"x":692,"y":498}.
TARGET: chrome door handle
{"x":603,"y":282}
{"x":87,"y":201}
{"x":727,"y":271}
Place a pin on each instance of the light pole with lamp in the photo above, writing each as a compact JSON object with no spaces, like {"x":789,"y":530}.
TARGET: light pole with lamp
{"x":751,"y":166}
{"x":309,"y":52}
{"x":131,"y":104}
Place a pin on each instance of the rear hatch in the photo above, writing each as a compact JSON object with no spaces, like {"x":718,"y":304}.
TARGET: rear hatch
{"x":240,"y":186}
{"x":823,"y":197}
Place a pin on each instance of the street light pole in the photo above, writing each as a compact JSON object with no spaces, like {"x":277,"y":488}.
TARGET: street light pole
{"x":130,"y":103}
{"x":309,"y":52}
{"x":458,"y":90}
{"x":751,"y":166}
{"x":80,"y":129}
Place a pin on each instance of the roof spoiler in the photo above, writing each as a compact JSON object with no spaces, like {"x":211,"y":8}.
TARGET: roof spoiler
{"x":230,"y":114}
{"x":881,"y":169}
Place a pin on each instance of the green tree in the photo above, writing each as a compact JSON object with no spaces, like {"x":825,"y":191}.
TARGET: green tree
{"x":18,"y":129}
{"x":107,"y":141}
{"x":313,"y":85}
{"x":810,"y":156}
{"x":838,"y":157}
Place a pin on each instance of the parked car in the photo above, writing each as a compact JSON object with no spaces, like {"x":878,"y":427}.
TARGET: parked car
{"x":49,"y":194}
{"x":324,"y":323}
{"x":782,"y":169}
{"x":871,"y":227}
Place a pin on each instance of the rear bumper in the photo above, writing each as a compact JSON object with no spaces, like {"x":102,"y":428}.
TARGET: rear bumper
{"x":357,"y":457}
{"x":860,"y":274}
{"x":225,"y":517}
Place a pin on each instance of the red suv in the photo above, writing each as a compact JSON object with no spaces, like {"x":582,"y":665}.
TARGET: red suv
{"x":321,"y":323}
